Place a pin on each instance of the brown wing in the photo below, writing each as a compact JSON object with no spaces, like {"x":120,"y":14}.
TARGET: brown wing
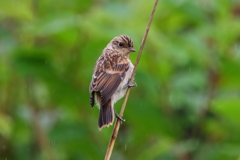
{"x":107,"y":76}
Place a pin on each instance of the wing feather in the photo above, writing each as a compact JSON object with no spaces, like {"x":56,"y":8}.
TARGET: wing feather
{"x":107,"y":79}
{"x":109,"y":88}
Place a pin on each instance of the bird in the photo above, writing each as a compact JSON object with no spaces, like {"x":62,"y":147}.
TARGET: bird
{"x":111,"y":78}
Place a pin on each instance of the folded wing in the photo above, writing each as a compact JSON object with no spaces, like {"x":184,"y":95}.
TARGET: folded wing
{"x":107,"y":78}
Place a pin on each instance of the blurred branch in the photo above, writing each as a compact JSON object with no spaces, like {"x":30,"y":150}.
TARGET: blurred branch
{"x":118,"y":122}
{"x":41,"y":136}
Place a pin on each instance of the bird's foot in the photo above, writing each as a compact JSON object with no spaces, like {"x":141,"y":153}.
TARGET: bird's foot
{"x":118,"y":117}
{"x":128,"y":85}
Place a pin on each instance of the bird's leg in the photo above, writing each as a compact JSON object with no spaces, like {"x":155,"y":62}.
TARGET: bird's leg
{"x":134,"y":84}
{"x":118,"y":117}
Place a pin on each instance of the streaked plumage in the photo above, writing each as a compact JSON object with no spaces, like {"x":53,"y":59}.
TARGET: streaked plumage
{"x":112,"y":72}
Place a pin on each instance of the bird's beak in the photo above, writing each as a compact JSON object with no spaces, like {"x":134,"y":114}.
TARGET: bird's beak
{"x":132,"y":50}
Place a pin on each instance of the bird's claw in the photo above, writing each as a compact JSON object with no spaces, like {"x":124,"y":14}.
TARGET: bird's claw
{"x":134,"y":84}
{"x":118,"y":117}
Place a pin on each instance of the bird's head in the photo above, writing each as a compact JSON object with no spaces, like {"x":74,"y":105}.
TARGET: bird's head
{"x":122,"y":44}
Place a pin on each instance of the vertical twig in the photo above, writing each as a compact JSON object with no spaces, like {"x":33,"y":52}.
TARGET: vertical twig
{"x":118,"y":122}
{"x":39,"y":133}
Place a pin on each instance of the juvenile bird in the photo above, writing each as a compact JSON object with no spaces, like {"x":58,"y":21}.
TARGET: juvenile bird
{"x":111,"y":77}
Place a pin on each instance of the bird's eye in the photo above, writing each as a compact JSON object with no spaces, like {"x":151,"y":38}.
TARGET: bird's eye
{"x":120,"y":44}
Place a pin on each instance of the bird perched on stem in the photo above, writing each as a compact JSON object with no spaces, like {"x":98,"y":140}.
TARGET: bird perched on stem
{"x":111,"y":77}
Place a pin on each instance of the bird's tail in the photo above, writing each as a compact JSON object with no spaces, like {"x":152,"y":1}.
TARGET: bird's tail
{"x":106,"y":116}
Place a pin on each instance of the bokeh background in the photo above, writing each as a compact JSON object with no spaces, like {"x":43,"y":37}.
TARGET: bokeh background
{"x":187,"y":102}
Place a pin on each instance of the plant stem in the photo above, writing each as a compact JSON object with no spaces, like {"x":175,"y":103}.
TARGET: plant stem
{"x":118,"y":122}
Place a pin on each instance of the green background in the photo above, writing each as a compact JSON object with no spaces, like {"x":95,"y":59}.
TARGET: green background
{"x":187,"y":102}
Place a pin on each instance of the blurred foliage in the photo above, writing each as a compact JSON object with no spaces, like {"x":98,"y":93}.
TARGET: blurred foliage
{"x":186,"y":105}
